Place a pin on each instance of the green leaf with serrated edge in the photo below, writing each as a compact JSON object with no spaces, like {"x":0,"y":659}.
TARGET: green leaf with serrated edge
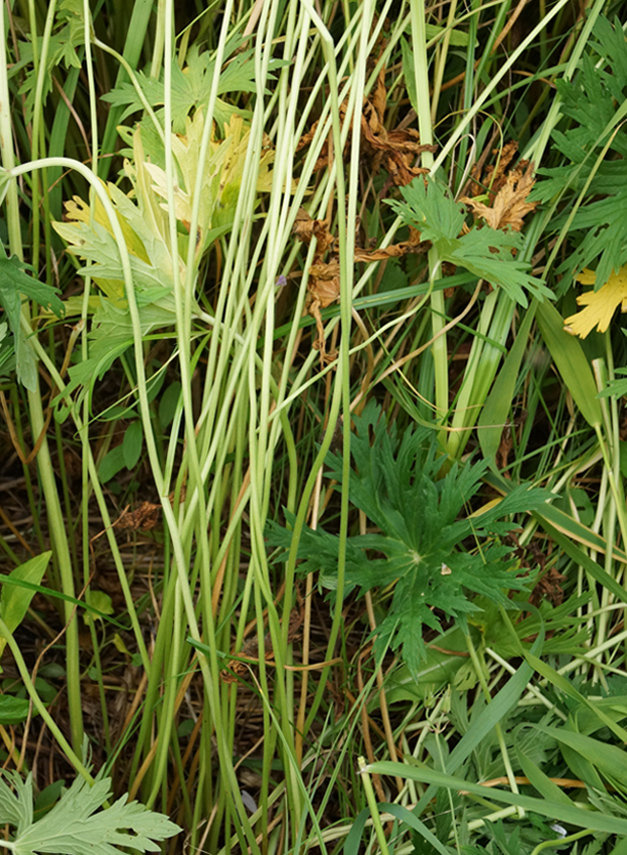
{"x":191,"y":87}
{"x":15,"y":280}
{"x":486,"y":252}
{"x":554,"y":810}
{"x":15,"y":599}
{"x":496,"y":410}
{"x":588,"y":101}
{"x":396,"y":481}
{"x":16,"y":805}
{"x":571,"y":362}
{"x":76,"y":825}
{"x":563,"y":522}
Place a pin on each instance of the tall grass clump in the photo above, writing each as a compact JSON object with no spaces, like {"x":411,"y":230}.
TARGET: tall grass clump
{"x":322,"y":465}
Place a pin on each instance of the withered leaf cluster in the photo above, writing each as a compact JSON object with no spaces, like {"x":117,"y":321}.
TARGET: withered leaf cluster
{"x":143,"y":518}
{"x":507,"y":191}
{"x":396,"y":152}
{"x":324,"y":275}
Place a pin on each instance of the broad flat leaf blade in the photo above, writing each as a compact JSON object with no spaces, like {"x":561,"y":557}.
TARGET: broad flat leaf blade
{"x":561,"y":683}
{"x":493,"y":713}
{"x":15,"y":599}
{"x":495,"y":411}
{"x":610,"y":760}
{"x":571,"y":363}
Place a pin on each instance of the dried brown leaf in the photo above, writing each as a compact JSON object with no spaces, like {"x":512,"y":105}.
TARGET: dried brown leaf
{"x":324,"y":281}
{"x":305,"y":229}
{"x":493,"y":177}
{"x":509,"y":205}
{"x":395,"y":250}
{"x":144,"y":517}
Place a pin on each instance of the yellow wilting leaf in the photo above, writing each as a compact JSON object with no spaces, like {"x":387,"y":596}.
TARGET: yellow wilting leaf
{"x":600,"y":305}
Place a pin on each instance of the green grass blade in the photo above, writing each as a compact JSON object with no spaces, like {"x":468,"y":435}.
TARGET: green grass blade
{"x":578,"y":816}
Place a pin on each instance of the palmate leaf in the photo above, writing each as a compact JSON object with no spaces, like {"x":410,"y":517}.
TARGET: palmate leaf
{"x":191,"y":87}
{"x":485,"y":252}
{"x":75,"y":825}
{"x":425,"y":536}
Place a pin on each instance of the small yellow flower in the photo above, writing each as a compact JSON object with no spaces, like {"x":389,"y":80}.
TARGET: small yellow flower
{"x":600,"y":305}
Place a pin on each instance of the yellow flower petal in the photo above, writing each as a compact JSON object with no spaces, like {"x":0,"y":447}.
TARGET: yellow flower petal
{"x":600,"y":305}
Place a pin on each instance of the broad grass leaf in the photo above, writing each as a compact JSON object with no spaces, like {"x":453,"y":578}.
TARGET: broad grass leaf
{"x":609,"y":760}
{"x":407,"y":817}
{"x":572,"y":528}
{"x":498,"y":708}
{"x":562,"y":684}
{"x":579,"y":556}
{"x":541,"y":782}
{"x":571,"y":362}
{"x":571,"y":814}
{"x":495,"y":411}
{"x":619,"y":849}
{"x":352,"y":844}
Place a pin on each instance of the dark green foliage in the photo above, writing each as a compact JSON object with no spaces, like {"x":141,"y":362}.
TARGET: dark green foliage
{"x":594,"y":103}
{"x":16,"y":282}
{"x":191,"y":88}
{"x":433,"y":559}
